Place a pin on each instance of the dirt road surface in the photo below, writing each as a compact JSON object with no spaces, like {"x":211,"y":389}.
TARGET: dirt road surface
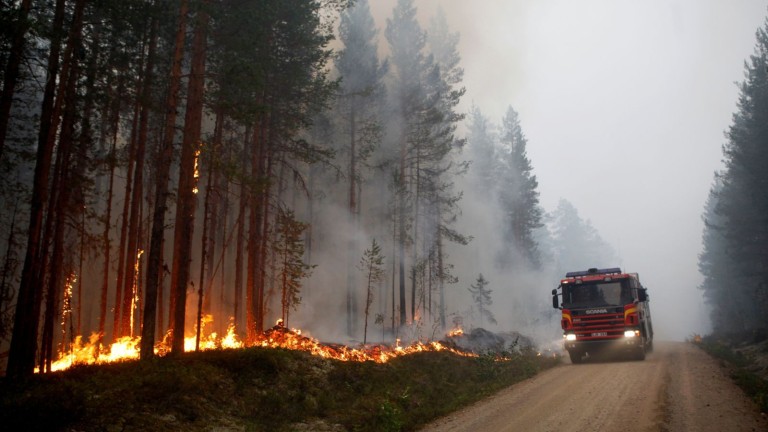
{"x":677,"y":388}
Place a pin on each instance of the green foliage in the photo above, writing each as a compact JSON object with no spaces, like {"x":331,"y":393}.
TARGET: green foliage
{"x":519,"y":193}
{"x":291,"y":268}
{"x":372,"y":266}
{"x":481,"y":295}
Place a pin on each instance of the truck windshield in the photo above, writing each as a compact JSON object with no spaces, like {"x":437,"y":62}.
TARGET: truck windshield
{"x":596,"y":294}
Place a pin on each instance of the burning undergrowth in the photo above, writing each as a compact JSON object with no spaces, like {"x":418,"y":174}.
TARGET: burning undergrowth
{"x":257,"y":388}
{"x":90,"y":351}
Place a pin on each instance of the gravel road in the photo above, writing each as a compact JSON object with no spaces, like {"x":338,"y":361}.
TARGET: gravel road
{"x":677,"y":388}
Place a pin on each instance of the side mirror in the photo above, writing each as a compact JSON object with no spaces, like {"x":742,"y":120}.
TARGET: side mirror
{"x":642,"y":295}
{"x":555,"y":302}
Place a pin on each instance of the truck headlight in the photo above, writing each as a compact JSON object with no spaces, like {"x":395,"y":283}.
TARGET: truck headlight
{"x":570,"y":337}
{"x":631,"y":333}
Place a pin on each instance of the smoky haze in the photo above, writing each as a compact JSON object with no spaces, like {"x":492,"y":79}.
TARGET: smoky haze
{"x":624,"y":105}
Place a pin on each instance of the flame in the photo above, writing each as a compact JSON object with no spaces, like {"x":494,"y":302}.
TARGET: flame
{"x":196,"y":173}
{"x":127,"y":348}
{"x":458,"y":331}
{"x":280,"y":337}
{"x":135,"y":288}
{"x":67,"y":307}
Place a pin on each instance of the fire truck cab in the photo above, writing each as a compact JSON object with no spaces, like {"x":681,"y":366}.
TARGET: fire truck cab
{"x":604,"y":309}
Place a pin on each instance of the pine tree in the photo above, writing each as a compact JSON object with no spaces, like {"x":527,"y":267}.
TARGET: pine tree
{"x":362,"y":91}
{"x":742,"y":204}
{"x":372,"y":267}
{"x":291,"y":268}
{"x":407,"y":41}
{"x":518,"y":193}
{"x":481,"y":296}
{"x":578,"y":245}
{"x":187,"y":198}
{"x":728,"y":300}
{"x":484,"y":155}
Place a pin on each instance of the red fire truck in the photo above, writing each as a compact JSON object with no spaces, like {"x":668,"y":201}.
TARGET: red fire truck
{"x":604,"y":309}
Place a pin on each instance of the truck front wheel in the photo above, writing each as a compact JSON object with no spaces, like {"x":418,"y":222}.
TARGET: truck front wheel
{"x":640,"y":353}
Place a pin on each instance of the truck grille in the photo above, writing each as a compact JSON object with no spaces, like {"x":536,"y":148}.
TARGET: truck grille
{"x":597,"y":327}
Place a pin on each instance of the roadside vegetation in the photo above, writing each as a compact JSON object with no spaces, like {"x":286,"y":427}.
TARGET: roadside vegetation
{"x":259,"y":389}
{"x":746,"y":358}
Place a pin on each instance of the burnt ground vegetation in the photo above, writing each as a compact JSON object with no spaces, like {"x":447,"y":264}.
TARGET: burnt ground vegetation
{"x":260,"y":389}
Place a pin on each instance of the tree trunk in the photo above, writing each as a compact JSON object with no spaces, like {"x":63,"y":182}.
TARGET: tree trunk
{"x":242,"y":205}
{"x":117,"y":329}
{"x":206,"y":254}
{"x":134,"y":232}
{"x":21,"y":357}
{"x":254,"y":278}
{"x":153,"y":286}
{"x":264,"y":235}
{"x":11,"y":74}
{"x":351,"y":211}
{"x":187,"y":199}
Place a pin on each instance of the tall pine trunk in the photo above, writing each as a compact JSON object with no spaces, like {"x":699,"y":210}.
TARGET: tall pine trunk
{"x":254,"y":273}
{"x":352,"y":221}
{"x":240,"y":244}
{"x":187,"y":199}
{"x":62,"y":189}
{"x":21,"y":357}
{"x":117,"y":327}
{"x":153,"y":287}
{"x":134,"y":232}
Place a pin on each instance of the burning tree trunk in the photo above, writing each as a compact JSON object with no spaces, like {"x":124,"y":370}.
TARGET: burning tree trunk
{"x":132,"y":258}
{"x":21,"y":358}
{"x":60,"y":196}
{"x":155,"y":259}
{"x":114,"y":121}
{"x":117,"y":329}
{"x":187,"y":199}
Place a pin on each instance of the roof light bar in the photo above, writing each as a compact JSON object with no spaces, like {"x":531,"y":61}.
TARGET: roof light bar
{"x":593,"y":271}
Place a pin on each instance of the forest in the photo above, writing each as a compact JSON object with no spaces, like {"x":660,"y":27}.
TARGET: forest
{"x":175,"y":167}
{"x":733,"y":259}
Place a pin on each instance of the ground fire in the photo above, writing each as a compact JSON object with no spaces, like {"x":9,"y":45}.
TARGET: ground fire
{"x":90,"y":351}
{"x":603,"y":310}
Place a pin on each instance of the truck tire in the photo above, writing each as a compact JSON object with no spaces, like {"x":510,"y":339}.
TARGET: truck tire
{"x":640,"y":353}
{"x":575,"y":356}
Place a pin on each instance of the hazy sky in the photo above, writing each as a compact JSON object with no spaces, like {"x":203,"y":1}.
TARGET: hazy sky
{"x":624,"y":104}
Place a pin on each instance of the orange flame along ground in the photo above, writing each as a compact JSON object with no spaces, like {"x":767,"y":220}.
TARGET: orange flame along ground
{"x":91,"y":351}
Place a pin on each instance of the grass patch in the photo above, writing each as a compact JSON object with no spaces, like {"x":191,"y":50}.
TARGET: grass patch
{"x":739,"y":365}
{"x":258,"y":389}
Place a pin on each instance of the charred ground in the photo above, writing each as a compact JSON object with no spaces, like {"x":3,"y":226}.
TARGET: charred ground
{"x":260,"y":389}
